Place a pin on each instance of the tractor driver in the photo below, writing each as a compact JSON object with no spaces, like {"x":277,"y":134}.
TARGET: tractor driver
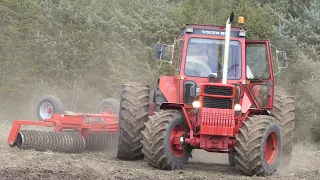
{"x":201,"y":60}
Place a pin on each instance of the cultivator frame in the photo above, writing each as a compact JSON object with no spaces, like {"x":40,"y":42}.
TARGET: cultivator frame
{"x":78,"y":122}
{"x":72,"y":132}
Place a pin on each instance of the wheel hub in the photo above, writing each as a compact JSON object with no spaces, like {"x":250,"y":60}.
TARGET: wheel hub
{"x":182,"y":141}
{"x":46,"y":110}
{"x":271,"y":148}
{"x":177,"y":140}
{"x":106,"y":110}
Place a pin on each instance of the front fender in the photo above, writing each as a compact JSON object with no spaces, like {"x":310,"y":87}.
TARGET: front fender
{"x":168,"y":105}
{"x":179,"y":106}
{"x":169,"y":88}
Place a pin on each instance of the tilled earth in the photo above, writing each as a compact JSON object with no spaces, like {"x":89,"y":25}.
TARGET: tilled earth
{"x":29,"y":164}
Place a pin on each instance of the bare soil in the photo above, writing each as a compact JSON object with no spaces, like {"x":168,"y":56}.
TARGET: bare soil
{"x":29,"y":164}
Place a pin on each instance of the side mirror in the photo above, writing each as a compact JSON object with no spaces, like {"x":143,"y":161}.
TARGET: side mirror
{"x":284,"y":60}
{"x":284,"y":55}
{"x":159,"y":51}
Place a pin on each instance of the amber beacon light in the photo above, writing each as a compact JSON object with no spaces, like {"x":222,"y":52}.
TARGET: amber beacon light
{"x":241,"y":20}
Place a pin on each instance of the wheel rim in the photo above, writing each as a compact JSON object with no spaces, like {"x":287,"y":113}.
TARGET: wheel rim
{"x":106,"y":109}
{"x":176,"y":148}
{"x":46,"y":110}
{"x":271,"y":148}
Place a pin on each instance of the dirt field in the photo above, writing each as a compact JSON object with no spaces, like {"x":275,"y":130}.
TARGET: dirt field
{"x":28,"y":164}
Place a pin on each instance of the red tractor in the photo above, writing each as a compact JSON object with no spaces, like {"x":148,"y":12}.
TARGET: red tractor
{"x":220,"y":97}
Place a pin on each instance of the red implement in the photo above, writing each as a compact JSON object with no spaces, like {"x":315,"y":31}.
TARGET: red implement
{"x":79,"y":122}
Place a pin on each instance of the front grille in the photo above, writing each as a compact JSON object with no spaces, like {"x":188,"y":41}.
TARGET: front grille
{"x":217,"y":121}
{"x":219,"y":103}
{"x":218,"y":90}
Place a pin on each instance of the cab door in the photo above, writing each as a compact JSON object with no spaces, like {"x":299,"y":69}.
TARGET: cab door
{"x":259,"y":74}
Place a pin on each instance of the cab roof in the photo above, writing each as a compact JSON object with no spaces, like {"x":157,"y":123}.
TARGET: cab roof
{"x":208,"y":30}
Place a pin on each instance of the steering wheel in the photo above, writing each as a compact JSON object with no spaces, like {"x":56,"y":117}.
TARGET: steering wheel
{"x":193,"y":72}
{"x":199,"y":66}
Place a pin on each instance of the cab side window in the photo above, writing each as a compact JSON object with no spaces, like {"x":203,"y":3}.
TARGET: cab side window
{"x":258,"y":68}
{"x":257,"y":62}
{"x":178,"y":48}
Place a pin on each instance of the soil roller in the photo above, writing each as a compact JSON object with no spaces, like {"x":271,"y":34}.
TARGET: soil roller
{"x":72,"y":132}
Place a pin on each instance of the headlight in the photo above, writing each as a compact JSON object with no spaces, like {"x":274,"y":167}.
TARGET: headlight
{"x":237,"y":107}
{"x":196,"y":104}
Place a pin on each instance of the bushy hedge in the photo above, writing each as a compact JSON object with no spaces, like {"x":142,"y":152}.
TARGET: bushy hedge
{"x":82,"y":51}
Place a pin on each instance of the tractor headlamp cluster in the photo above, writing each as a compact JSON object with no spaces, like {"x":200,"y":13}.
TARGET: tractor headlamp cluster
{"x":196,"y":104}
{"x":189,"y":29}
{"x":237,"y":107}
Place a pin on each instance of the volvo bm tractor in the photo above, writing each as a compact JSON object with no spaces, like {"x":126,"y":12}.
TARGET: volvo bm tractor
{"x":220,"y":97}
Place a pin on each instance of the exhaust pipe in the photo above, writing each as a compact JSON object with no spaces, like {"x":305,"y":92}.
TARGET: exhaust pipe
{"x":226,"y":49}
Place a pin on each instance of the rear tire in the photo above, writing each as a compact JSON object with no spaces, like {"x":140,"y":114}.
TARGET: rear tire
{"x":256,"y":132}
{"x":48,"y":106}
{"x":283,"y":110}
{"x":159,"y":150}
{"x":133,"y":113}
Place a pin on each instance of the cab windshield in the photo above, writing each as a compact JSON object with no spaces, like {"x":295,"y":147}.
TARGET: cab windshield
{"x":205,"y":57}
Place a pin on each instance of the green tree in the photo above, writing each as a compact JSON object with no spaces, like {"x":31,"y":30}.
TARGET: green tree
{"x":214,"y":12}
{"x":300,"y":36}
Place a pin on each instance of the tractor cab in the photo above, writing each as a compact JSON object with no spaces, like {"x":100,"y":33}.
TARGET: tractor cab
{"x":204,"y":55}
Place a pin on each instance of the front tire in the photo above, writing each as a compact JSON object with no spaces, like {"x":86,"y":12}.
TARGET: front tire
{"x":159,"y":147}
{"x":258,"y":147}
{"x":134,"y":105}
